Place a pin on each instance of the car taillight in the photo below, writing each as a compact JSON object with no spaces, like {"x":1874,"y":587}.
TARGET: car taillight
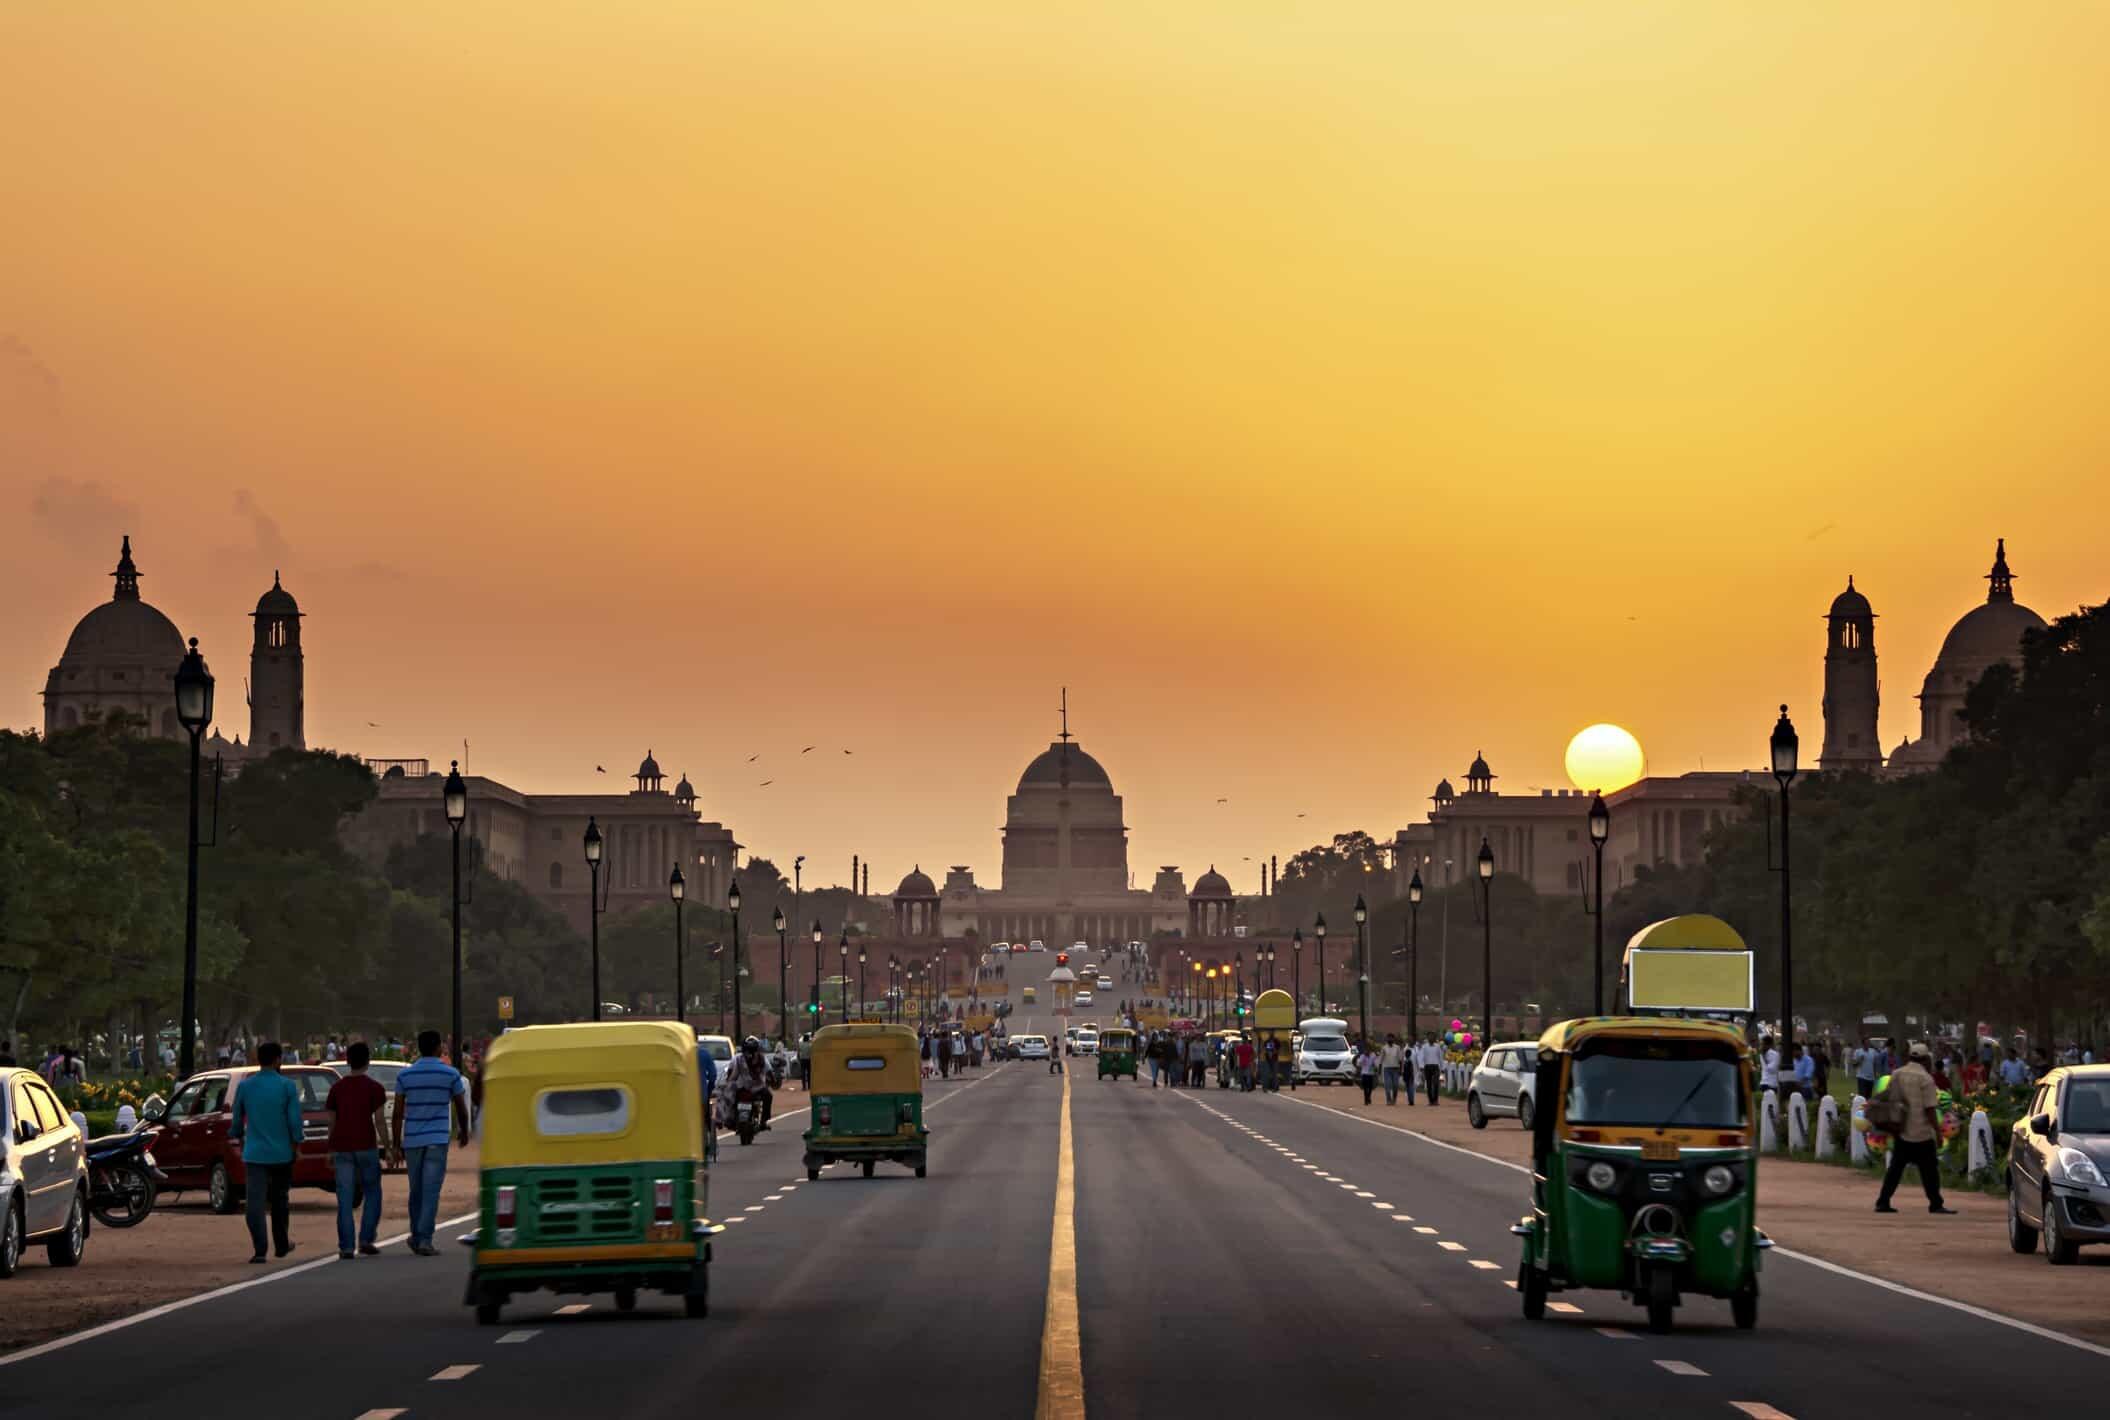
{"x":504,"y":1205}
{"x":663,"y":1200}
{"x":823,"y":1115}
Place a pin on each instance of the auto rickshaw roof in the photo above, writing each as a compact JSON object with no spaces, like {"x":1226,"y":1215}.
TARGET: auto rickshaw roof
{"x":1693,"y":932}
{"x":1565,"y":1036}
{"x":864,"y":1031}
{"x":590,"y":1049}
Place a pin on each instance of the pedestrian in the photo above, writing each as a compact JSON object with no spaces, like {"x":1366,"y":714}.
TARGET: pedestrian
{"x":1198,"y":1062}
{"x":1242,"y":1058}
{"x":428,"y":1092}
{"x":1865,"y":1070}
{"x":1821,"y":1074}
{"x":1805,"y":1073}
{"x":806,"y":1061}
{"x":2014,"y":1072}
{"x":944,"y":1054}
{"x":1912,"y":1088}
{"x":1388,"y":1064}
{"x":1769,"y":1070}
{"x":266,"y":1123}
{"x":1271,"y":1063}
{"x":358,"y":1108}
{"x":1365,"y":1068}
{"x":1431,"y":1067}
{"x":923,"y":1046}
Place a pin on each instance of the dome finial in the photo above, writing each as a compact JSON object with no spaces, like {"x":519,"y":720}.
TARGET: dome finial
{"x":126,"y":574}
{"x":2002,"y":581}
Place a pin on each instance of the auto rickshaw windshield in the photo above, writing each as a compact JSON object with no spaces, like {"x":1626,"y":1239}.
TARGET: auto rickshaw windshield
{"x":1656,"y":1084}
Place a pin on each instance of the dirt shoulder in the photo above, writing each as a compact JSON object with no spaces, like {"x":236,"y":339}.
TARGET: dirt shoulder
{"x":183,"y":1248}
{"x":1826,"y":1211}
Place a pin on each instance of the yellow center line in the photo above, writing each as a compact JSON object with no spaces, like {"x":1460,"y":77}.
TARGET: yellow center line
{"x":1061,"y":1364}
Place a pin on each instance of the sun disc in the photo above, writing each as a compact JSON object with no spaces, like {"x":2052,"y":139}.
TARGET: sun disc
{"x":1603,"y":758}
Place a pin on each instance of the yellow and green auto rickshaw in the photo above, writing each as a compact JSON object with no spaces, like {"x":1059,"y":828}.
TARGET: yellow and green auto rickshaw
{"x":867,"y":1099}
{"x":1645,"y":1168}
{"x":593,"y":1176}
{"x":1117,"y":1052}
{"x":1027,"y":995}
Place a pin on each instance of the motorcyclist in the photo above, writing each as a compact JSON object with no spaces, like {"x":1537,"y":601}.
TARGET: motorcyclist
{"x":749,"y":1071}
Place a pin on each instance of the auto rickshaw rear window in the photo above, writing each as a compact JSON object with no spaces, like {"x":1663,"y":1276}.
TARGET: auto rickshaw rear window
{"x":865,"y":1062}
{"x":1655,"y":1084}
{"x":598,"y":1109}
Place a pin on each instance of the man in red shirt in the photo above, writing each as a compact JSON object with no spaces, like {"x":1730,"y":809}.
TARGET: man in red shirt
{"x":358,"y":1121}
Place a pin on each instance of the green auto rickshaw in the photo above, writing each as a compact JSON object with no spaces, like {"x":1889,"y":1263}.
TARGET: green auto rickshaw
{"x":1645,"y":1166}
{"x":867,"y":1097}
{"x":1117,"y":1052}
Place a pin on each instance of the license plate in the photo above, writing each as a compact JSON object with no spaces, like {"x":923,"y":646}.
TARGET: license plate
{"x":1659,"y":1151}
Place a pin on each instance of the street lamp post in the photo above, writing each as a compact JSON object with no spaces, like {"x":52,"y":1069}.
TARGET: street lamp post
{"x":594,"y":847}
{"x":1296,"y":966}
{"x":1600,"y":830}
{"x":454,"y":794}
{"x":718,"y":955}
{"x":1194,"y":986}
{"x":677,"y":888}
{"x":1362,"y":966}
{"x":1319,"y":931}
{"x":1486,"y":861}
{"x":816,"y":998}
{"x":776,"y":920}
{"x":1209,"y":998}
{"x":1414,"y":891}
{"x":732,"y":902}
{"x":1784,"y":747}
{"x":193,"y":681}
{"x":861,"y":997}
{"x":843,"y":950}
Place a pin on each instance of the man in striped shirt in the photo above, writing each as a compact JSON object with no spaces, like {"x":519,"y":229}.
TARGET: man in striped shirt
{"x":427,"y":1093}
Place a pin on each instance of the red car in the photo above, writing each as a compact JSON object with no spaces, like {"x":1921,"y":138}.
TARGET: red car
{"x":194,"y":1151}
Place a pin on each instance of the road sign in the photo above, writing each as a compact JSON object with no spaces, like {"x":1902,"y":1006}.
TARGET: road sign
{"x":505,"y":1008}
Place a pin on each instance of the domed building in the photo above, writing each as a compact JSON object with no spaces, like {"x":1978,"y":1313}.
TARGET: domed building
{"x":1985,"y":636}
{"x":121,"y":658}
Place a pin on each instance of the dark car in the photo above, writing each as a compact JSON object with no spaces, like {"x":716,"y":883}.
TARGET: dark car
{"x":43,"y":1174}
{"x":2058,"y":1165}
{"x":193,"y":1148}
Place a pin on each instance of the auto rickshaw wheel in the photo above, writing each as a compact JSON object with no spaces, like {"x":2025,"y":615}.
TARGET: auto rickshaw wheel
{"x":869,"y":1165}
{"x":1662,"y":1299}
{"x":488,"y":1312}
{"x":626,"y":1299}
{"x":695,"y":1308}
{"x":1743,"y":1307}
{"x":1531,"y":1286}
{"x":813,"y":1173}
{"x":922,"y":1169}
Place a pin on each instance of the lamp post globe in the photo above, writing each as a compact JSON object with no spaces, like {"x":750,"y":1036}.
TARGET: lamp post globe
{"x":593,"y":847}
{"x":193,"y":687}
{"x":454,"y":801}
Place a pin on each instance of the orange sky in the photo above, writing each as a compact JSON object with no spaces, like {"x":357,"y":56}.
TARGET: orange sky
{"x":1323,"y":392}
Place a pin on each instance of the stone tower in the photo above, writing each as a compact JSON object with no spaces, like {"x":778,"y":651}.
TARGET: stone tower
{"x":1851,"y":690}
{"x":277,"y":682}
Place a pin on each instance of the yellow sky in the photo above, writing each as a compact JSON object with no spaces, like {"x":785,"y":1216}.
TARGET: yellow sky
{"x":1322,"y":391}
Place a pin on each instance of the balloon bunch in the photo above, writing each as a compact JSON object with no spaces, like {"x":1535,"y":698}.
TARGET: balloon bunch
{"x":1458,"y":1037}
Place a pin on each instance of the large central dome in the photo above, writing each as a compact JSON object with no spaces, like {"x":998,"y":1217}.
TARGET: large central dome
{"x":1048,"y":767}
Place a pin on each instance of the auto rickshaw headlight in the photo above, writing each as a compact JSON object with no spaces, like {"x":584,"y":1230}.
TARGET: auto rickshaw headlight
{"x":1601,"y":1176}
{"x":1718,"y":1179}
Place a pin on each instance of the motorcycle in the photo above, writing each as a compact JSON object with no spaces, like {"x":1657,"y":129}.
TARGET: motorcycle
{"x":749,"y":1115}
{"x":123,"y":1181}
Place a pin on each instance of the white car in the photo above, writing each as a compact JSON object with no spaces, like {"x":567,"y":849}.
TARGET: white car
{"x":1029,"y":1047}
{"x":1088,"y":1041}
{"x":1323,"y":1055}
{"x":1036,"y":945}
{"x":1084,"y":998}
{"x":1503,"y":1084}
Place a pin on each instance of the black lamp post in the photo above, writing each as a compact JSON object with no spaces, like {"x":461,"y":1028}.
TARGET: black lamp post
{"x":816,"y":998}
{"x":594,"y":847}
{"x":861,"y":997}
{"x":1784,"y":747}
{"x":718,"y":952}
{"x":783,"y":975}
{"x":1600,"y":830}
{"x":1362,"y":965}
{"x":1414,"y":891}
{"x":1296,"y":966}
{"x":1319,"y":931}
{"x":194,"y":709}
{"x":677,"y":887}
{"x":732,"y":902}
{"x":893,"y":987}
{"x":454,"y":794}
{"x":1486,"y":862}
{"x":842,"y":948}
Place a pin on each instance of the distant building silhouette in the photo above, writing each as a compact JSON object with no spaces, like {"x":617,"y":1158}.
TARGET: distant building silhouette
{"x":1851,"y":689}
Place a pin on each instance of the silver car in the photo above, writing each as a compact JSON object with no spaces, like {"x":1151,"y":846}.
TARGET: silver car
{"x":1503,"y":1084}
{"x":2058,"y":1165}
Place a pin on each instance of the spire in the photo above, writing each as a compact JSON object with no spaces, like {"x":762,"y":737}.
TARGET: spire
{"x":126,"y":574}
{"x":2002,"y":588}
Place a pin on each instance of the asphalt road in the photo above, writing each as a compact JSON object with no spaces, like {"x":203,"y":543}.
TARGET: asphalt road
{"x":1233,"y":1254}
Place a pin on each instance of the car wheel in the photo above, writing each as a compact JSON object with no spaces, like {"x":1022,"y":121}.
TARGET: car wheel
{"x":2057,"y":1250}
{"x":626,"y":1299}
{"x":488,"y":1313}
{"x":869,"y":1164}
{"x":220,"y":1191}
{"x":10,"y":1240}
{"x":1524,"y":1111}
{"x":65,"y":1250}
{"x":1531,"y":1286}
{"x":1474,"y":1114}
{"x":2020,"y":1235}
{"x":1743,"y":1308}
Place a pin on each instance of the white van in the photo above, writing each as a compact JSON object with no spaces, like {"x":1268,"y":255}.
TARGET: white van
{"x":1323,"y":1054}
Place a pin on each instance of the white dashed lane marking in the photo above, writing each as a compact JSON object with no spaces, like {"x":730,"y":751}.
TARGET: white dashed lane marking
{"x":1385,"y":1206}
{"x":1681,"y":1368}
{"x":1449,"y":1246}
{"x":455,"y":1373}
{"x":1564,"y":1308}
{"x":1484,"y":1265}
{"x":381,"y":1414}
{"x":575,"y":1308}
{"x":1759,"y":1410}
{"x":1425,"y":1228}
{"x":1616,"y":1333}
{"x":514,"y":1338}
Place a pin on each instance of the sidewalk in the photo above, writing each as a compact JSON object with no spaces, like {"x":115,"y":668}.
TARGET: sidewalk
{"x":183,"y":1248}
{"x":1827,"y":1212}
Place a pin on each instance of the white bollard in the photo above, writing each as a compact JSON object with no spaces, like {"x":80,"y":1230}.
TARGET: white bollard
{"x":1827,"y":1128}
{"x":1798,"y":1125}
{"x":1981,"y":1156}
{"x":1768,"y":1123}
{"x":1857,"y":1132}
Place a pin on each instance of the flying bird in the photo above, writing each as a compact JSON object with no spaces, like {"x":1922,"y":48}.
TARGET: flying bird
{"x":1300,"y":816}
{"x":809,"y":749}
{"x":372,"y":726}
{"x":755,"y":756}
{"x":1223,"y":801}
{"x":765,"y":783}
{"x":598,"y":770}
{"x":849,"y":751}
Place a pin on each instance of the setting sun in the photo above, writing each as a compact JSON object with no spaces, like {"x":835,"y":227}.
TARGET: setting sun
{"x":1603,"y":758}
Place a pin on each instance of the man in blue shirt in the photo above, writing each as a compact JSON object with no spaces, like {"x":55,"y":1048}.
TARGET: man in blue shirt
{"x":427,"y":1094}
{"x":267,"y":1125}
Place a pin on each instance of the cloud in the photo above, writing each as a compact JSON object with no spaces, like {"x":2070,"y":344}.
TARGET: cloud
{"x":82,"y":514}
{"x":266,"y":541}
{"x":21,"y":370}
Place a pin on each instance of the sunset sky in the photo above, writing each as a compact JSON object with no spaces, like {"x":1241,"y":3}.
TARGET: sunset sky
{"x":1323,"y":392}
